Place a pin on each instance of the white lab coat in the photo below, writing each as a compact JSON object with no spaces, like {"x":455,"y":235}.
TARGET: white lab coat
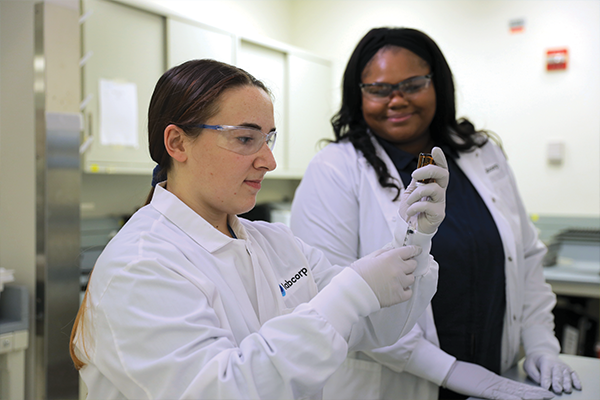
{"x":340,"y":208}
{"x":176,"y":309}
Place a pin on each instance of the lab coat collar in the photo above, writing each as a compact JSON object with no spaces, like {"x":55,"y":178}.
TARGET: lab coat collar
{"x":196,"y":227}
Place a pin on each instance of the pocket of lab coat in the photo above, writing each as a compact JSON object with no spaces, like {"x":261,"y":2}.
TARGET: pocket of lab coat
{"x":354,"y":379}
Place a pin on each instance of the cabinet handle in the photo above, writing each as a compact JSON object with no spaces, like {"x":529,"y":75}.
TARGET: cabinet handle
{"x":88,"y":138}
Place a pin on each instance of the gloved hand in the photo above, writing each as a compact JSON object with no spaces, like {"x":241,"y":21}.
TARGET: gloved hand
{"x":432,"y":210}
{"x":389,"y":273}
{"x":548,"y":369}
{"x":474,"y":380}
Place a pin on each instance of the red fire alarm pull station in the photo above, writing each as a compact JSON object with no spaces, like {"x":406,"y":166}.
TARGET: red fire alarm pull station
{"x":556,"y":59}
{"x":516,"y":25}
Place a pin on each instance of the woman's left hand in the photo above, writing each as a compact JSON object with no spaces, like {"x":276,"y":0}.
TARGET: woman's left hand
{"x":550,"y":372}
{"x":427,"y":199}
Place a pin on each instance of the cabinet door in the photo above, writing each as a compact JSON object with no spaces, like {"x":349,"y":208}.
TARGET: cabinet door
{"x":186,"y":41}
{"x":127,"y":46}
{"x":310,"y":109}
{"x":269,"y":65}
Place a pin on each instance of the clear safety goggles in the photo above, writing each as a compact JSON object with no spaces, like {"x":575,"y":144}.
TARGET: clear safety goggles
{"x":383,"y":91}
{"x":242,"y":140}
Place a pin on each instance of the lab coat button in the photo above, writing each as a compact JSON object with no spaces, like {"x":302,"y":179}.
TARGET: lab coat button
{"x":493,"y":199}
{"x":514,"y":317}
{"x":510,"y":259}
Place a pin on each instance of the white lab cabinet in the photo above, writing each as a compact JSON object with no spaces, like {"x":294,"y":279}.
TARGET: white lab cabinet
{"x":269,"y":65}
{"x":189,"y":41}
{"x":124,"y":45}
{"x":310,"y":109}
{"x":301,"y":87}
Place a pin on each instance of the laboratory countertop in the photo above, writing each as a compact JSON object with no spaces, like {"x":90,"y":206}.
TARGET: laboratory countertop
{"x":587,"y":368}
{"x":566,"y":283}
{"x":577,"y":271}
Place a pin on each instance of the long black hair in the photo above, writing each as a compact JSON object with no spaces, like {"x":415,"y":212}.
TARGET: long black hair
{"x":349,"y":123}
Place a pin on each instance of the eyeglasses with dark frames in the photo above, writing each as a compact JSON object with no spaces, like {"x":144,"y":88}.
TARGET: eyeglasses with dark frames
{"x":383,"y":91}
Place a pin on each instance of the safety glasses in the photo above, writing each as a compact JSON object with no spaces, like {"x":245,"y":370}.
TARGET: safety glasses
{"x":383,"y":91}
{"x":242,"y":140}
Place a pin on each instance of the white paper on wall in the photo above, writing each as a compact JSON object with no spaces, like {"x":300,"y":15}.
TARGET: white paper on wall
{"x":118,"y":113}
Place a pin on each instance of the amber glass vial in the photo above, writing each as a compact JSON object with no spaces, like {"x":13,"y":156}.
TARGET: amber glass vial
{"x":425,"y":159}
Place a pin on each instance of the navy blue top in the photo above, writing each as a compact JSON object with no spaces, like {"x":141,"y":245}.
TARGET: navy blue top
{"x":470,"y":301}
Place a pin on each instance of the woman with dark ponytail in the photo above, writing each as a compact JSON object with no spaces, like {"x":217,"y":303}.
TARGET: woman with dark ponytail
{"x":397,"y":102}
{"x":190,"y":301}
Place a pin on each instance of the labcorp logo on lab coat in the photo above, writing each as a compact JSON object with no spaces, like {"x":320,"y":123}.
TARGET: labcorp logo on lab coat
{"x":286,"y":284}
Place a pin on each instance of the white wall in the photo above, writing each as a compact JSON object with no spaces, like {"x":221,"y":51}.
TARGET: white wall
{"x":267,"y":18}
{"x":501,"y":79}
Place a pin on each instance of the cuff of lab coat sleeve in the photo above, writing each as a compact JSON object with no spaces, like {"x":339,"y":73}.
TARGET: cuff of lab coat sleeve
{"x":344,"y":300}
{"x":424,"y":241}
{"x":429,"y":362}
{"x":540,"y":339}
{"x":400,"y":231}
{"x":416,"y":238}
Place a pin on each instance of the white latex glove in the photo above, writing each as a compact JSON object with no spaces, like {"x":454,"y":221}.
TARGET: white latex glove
{"x":389,"y":273}
{"x":474,"y":380}
{"x":548,"y":369}
{"x":428,"y":200}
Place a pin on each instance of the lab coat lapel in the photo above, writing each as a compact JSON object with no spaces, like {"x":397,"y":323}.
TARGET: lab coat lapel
{"x":477,"y":166}
{"x":268,"y":296}
{"x":238,"y":289}
{"x":384,"y":196}
{"x":270,"y":302}
{"x":226,"y":274}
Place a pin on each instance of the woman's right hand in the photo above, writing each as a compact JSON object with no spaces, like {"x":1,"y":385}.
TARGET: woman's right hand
{"x":428,"y":200}
{"x":389,"y":273}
